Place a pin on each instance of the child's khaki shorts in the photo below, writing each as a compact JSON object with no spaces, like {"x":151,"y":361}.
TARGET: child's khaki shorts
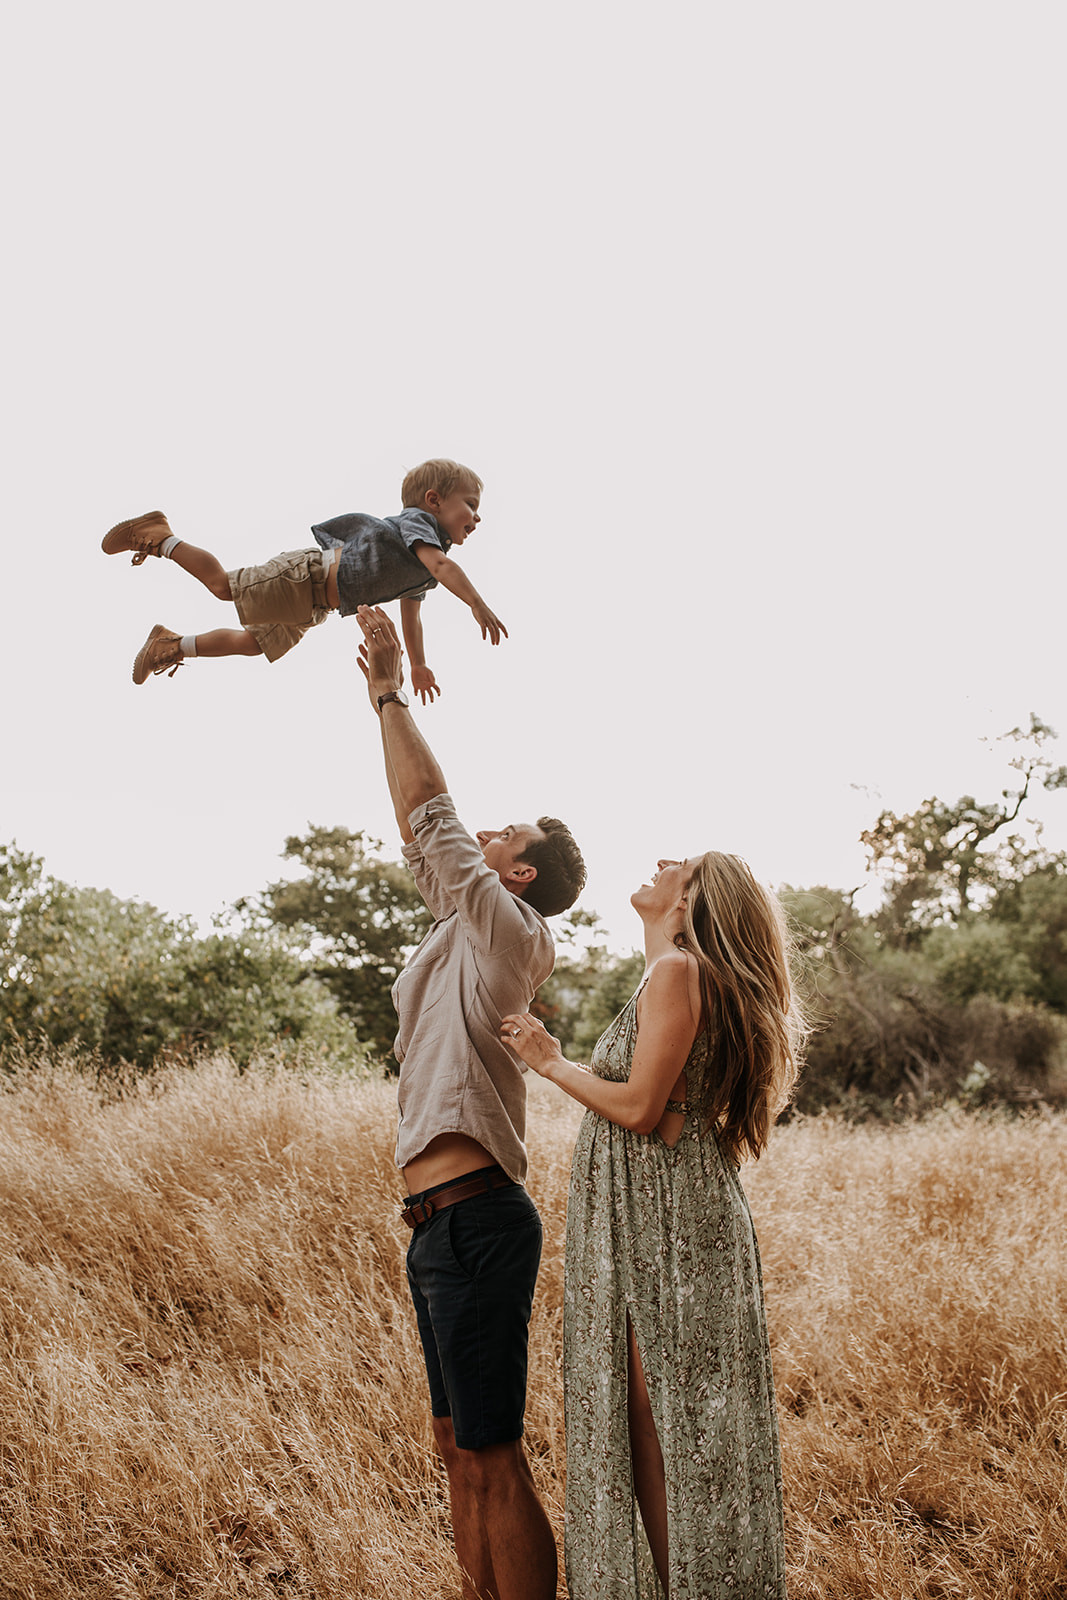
{"x":279,"y":601}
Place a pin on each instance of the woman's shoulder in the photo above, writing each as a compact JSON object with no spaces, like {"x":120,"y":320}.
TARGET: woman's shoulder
{"x":673,"y":977}
{"x":674,"y":966}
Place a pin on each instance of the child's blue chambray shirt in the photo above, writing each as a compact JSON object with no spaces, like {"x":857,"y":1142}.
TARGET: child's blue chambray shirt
{"x":378,"y":561}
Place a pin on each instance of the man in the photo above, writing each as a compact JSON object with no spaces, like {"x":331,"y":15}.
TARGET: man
{"x":476,"y":1240}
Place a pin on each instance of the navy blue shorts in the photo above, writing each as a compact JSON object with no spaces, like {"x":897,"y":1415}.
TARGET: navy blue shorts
{"x":472,"y":1269}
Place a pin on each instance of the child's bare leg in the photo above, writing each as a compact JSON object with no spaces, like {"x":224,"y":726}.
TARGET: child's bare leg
{"x":208,"y":569}
{"x":165,"y":651}
{"x":227,"y":642}
{"x":151,"y":535}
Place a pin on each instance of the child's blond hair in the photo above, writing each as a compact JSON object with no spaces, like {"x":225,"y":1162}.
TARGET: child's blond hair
{"x":439,"y":474}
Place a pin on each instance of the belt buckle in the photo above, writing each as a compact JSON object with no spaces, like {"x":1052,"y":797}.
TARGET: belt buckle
{"x":410,"y":1214}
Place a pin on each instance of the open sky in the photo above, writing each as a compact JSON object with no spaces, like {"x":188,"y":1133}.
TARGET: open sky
{"x":751,"y":317}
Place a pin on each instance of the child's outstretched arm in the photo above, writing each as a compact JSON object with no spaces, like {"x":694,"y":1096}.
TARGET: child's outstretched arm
{"x":423,"y":681}
{"x":441,"y":567}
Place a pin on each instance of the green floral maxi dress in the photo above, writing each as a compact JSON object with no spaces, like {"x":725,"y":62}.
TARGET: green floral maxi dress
{"x":666,"y":1234}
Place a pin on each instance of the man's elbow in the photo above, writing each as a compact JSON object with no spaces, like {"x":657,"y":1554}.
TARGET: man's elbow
{"x":419,"y":794}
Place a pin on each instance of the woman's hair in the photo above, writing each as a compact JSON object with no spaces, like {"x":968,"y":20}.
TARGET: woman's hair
{"x":440,"y":474}
{"x":755,"y":1024}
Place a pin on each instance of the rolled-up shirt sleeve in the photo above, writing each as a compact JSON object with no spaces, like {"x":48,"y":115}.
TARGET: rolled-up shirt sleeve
{"x":419,"y":527}
{"x":427,"y":880}
{"x":485,"y":956}
{"x":452,"y":875}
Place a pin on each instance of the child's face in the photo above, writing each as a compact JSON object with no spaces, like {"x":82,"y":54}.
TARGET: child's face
{"x":457,"y":512}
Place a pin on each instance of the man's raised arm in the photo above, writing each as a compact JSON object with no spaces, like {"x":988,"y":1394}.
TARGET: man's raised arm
{"x":410,"y":765}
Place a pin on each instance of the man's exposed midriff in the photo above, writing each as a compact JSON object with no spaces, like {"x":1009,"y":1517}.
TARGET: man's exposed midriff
{"x":450,"y":1155}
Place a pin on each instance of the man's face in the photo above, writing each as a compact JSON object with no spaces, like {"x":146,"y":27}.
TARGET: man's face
{"x":502,"y":848}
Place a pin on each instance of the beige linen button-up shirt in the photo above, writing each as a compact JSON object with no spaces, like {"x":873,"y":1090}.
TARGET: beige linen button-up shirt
{"x":485,"y":956}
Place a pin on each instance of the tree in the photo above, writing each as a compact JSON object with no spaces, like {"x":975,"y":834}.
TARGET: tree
{"x":1032,"y":911}
{"x":903,"y":1027}
{"x":357,"y":918}
{"x":980,"y":956}
{"x":938,"y":861}
{"x":79,"y":964}
{"x":120,"y":978}
{"x":254,"y":994}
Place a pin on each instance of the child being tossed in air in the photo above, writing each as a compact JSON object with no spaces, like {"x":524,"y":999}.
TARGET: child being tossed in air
{"x":360,"y":561}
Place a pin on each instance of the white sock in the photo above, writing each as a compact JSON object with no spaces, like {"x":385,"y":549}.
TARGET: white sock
{"x":188,"y":644}
{"x":169,"y":544}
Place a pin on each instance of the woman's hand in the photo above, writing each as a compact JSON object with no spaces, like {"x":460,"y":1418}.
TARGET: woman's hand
{"x":531,"y":1042}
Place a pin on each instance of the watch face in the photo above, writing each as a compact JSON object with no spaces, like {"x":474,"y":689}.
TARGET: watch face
{"x":395,"y":694}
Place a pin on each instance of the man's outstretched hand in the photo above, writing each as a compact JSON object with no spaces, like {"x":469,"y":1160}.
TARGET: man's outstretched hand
{"x":381,"y":657}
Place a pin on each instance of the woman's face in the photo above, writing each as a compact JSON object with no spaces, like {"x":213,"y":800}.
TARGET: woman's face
{"x":666,"y":891}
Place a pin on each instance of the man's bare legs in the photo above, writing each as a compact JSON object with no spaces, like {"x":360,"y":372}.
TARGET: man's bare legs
{"x":504,"y":1541}
{"x":646,"y":1459}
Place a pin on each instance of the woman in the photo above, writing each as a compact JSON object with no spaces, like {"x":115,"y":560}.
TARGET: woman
{"x":669,"y":1392}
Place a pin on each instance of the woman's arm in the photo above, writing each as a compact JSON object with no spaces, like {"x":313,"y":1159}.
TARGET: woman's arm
{"x":668,"y":1017}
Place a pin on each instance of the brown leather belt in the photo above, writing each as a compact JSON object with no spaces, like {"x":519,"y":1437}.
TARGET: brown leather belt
{"x":423,"y":1210}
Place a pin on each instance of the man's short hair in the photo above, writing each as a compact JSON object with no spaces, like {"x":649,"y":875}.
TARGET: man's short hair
{"x":439,"y":474}
{"x":560,"y":868}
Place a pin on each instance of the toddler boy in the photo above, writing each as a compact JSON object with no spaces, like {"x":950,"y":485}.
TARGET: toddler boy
{"x":359,"y":560}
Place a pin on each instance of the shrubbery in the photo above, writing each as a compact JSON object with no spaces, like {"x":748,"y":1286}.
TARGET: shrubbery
{"x":954,"y":991}
{"x":131,"y":985}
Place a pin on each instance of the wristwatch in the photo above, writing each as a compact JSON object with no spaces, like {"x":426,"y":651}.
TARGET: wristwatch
{"x":394,"y":694}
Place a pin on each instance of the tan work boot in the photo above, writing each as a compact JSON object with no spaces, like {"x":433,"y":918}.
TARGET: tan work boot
{"x":143,"y":534}
{"x":162,"y":649}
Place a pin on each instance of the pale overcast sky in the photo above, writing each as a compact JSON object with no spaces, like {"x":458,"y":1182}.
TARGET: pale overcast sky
{"x":750,"y":316}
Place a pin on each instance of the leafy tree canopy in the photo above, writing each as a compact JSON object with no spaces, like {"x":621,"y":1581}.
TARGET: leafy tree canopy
{"x":357,"y":918}
{"x":120,"y":978}
{"x":940,"y":861}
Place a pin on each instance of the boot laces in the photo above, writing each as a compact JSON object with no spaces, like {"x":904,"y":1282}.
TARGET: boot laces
{"x":145,"y":545}
{"x":178,"y":661}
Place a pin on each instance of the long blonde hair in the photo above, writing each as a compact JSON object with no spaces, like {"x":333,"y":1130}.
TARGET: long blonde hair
{"x":755,"y":1024}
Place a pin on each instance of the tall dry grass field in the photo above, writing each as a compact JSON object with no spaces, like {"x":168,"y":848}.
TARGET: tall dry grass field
{"x":211,"y":1384}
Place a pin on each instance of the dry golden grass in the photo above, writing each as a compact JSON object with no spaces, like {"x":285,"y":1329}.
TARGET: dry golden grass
{"x":211,"y":1385}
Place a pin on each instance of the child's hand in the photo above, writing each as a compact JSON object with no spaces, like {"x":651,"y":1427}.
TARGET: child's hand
{"x":488,"y":623}
{"x":424,"y":684}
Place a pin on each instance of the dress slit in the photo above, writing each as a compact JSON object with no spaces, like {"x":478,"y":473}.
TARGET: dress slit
{"x":660,"y":1240}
